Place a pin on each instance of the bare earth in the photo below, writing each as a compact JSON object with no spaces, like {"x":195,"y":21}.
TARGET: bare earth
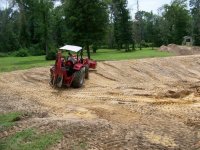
{"x":139,"y":104}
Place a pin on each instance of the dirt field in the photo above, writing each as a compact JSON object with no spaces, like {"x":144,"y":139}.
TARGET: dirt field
{"x":139,"y":104}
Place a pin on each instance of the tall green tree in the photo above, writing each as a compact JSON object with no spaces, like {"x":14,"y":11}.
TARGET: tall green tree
{"x":86,"y":21}
{"x":9,"y":31}
{"x":195,"y":10}
{"x":59,"y":27}
{"x":177,"y":19}
{"x":110,"y":39}
{"x":34,"y":23}
{"x":122,"y":24}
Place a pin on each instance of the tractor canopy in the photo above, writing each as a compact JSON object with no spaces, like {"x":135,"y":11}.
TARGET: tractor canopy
{"x":71,"y":48}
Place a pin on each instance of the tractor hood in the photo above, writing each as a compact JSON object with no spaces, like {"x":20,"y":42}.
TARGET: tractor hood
{"x":71,"y":48}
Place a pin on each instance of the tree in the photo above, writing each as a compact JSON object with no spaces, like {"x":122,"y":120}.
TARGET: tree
{"x":86,"y":21}
{"x":139,"y":27}
{"x":109,"y":39}
{"x":177,"y":19}
{"x":9,"y":34}
{"x":59,"y":27}
{"x":34,"y":23}
{"x":122,"y":24}
{"x":195,"y":10}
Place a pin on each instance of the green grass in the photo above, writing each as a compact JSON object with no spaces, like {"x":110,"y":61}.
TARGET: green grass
{"x":80,"y":146}
{"x":8,"y":120}
{"x":29,"y":139}
{"x":105,"y":54}
{"x":19,"y":63}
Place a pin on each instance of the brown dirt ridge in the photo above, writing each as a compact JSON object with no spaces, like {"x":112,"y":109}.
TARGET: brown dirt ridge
{"x":181,"y":50}
{"x":136,"y":104}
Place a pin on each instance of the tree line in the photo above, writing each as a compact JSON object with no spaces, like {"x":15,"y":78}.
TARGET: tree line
{"x":40,"y":25}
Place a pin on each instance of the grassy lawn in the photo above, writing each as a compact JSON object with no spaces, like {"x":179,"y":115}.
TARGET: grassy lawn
{"x":19,"y":63}
{"x":105,"y":54}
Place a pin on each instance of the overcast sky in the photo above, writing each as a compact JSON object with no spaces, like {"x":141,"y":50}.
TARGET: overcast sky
{"x":146,"y":5}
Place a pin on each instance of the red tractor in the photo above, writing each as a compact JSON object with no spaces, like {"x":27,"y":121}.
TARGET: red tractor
{"x":70,"y":71}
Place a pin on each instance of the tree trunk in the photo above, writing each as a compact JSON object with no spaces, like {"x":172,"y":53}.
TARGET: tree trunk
{"x":88,"y":50}
{"x":133,"y":46}
{"x":140,"y":46}
{"x":45,"y":23}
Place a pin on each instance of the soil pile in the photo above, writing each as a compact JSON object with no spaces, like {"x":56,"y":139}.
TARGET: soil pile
{"x":181,"y":50}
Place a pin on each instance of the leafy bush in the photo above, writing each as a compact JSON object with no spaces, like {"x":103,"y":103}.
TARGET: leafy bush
{"x":35,"y":50}
{"x":3,"y":54}
{"x":51,"y":55}
{"x":22,"y":53}
{"x":145,"y":44}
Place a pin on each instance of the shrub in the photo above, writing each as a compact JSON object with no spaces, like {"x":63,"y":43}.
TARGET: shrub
{"x":3,"y":54}
{"x":145,"y":44}
{"x":36,"y":52}
{"x":51,"y":55}
{"x":22,"y":53}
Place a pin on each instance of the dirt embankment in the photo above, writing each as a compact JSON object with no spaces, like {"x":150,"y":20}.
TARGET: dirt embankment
{"x":139,"y":104}
{"x":181,"y":50}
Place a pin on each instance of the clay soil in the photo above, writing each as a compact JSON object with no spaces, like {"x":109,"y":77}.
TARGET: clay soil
{"x":180,"y":50}
{"x":138,"y":104}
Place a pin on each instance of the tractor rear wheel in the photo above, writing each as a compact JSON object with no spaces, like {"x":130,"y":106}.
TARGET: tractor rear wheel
{"x":87,"y":71}
{"x":79,"y":78}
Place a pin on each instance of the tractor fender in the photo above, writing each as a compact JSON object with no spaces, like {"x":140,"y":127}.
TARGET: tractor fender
{"x":78,"y":66}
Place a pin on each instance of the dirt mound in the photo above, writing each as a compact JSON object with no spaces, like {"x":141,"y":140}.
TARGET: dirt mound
{"x":139,"y":104}
{"x":181,"y":50}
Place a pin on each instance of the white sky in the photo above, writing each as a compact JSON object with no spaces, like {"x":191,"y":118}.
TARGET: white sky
{"x":146,"y":5}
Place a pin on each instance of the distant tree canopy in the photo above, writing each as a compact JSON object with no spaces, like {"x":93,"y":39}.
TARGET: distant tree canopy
{"x":86,"y":21}
{"x":40,"y":25}
{"x":122,"y":24}
{"x":177,"y":20}
{"x":195,"y":10}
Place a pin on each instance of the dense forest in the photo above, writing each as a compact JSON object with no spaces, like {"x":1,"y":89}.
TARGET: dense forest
{"x":40,"y":26}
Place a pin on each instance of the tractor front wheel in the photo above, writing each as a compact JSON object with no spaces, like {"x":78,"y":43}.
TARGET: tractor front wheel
{"x":79,"y":78}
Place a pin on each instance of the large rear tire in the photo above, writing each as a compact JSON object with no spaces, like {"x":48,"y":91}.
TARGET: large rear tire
{"x":79,"y":78}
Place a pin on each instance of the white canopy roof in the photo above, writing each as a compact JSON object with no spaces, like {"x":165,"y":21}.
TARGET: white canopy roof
{"x":71,"y":48}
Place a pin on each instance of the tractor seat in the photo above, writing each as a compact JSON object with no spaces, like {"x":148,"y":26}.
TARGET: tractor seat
{"x":69,"y":63}
{"x":69,"y":67}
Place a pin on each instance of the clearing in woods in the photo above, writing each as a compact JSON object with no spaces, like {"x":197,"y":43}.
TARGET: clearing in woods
{"x":136,"y":104}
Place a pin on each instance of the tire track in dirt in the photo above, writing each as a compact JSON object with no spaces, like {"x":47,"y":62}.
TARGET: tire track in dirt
{"x":141,"y":104}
